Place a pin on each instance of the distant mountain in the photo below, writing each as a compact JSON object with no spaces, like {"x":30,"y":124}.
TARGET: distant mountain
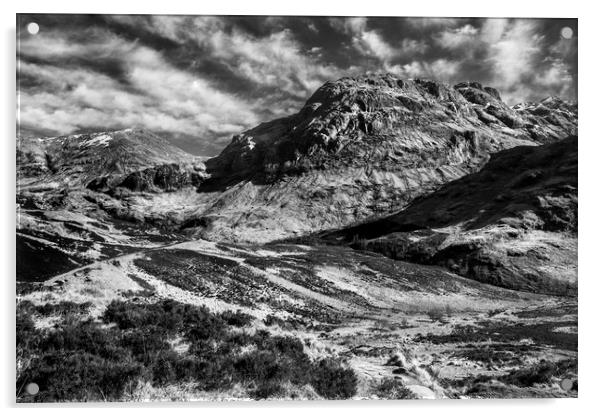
{"x":512,"y":224}
{"x":82,"y":158}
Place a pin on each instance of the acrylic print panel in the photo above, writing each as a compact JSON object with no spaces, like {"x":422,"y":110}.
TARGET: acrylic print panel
{"x":214,"y":207}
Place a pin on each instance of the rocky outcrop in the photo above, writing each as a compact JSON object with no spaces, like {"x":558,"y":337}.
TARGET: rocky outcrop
{"x":168,"y":177}
{"x":549,"y":118}
{"x":512,"y":224}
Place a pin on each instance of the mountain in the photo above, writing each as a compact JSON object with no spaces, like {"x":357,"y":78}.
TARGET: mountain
{"x":512,"y":224}
{"x":363,"y":147}
{"x":87,"y":159}
{"x":360,"y":148}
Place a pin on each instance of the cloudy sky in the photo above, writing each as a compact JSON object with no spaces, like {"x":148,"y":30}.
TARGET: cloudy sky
{"x":197,"y":80}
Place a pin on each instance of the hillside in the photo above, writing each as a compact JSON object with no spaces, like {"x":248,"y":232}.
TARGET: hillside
{"x":512,"y":224}
{"x":74,"y":195}
{"x":262,"y":322}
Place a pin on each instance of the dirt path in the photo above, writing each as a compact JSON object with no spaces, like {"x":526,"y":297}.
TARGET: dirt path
{"x":99,"y":263}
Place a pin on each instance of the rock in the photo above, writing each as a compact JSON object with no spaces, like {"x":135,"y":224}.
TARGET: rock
{"x":169,"y":177}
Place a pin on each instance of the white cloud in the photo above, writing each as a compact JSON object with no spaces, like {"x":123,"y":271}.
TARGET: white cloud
{"x":279,"y":69}
{"x":349,"y":25}
{"x":463,"y":37}
{"x":159,"y":96}
{"x":513,"y":54}
{"x":431,"y":22}
{"x":556,"y":79}
{"x":439,"y":69}
{"x":371,"y":43}
{"x":411,"y":47}
{"x":275,"y":61}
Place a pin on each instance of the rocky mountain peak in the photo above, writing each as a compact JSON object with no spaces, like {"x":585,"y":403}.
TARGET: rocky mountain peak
{"x":382,"y":114}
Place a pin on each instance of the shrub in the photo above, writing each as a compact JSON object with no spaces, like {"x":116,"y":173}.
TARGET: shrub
{"x":237,"y":319}
{"x":332,"y":381}
{"x":540,"y":373}
{"x":145,"y":343}
{"x":436,"y":314}
{"x":25,"y":330}
{"x":393,"y":389}
{"x":129,"y":315}
{"x":268,"y":389}
{"x":84,"y":360}
{"x":80,"y":376}
{"x":84,"y":336}
{"x":169,"y":367}
{"x":64,"y":308}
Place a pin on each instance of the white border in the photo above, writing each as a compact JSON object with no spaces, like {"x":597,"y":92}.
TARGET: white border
{"x":590,"y":202}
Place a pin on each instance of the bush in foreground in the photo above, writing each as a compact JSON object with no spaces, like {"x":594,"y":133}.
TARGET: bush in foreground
{"x":392,"y":389}
{"x":89,"y":361}
{"x":333,"y":381}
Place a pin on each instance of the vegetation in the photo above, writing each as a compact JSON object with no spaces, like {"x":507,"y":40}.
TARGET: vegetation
{"x":86,"y":360}
{"x":392,"y":389}
{"x":510,"y":384}
{"x":332,"y":381}
{"x":542,"y":333}
{"x":436,"y":314}
{"x":540,"y":373}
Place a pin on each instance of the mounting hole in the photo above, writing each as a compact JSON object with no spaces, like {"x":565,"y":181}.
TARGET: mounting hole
{"x":566,"y":384}
{"x":33,"y":28}
{"x":566,"y":32}
{"x":32,"y":389}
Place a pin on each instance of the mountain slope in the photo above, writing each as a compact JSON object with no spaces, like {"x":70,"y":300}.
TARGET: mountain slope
{"x":79,"y":197}
{"x":513,"y":223}
{"x":363,"y":147}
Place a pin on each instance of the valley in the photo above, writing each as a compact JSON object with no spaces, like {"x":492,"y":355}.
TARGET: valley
{"x":394,"y":239}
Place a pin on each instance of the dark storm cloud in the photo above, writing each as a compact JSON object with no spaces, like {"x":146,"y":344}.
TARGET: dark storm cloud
{"x":200,"y":79}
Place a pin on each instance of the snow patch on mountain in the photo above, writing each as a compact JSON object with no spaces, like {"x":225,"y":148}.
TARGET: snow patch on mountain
{"x":100,"y":140}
